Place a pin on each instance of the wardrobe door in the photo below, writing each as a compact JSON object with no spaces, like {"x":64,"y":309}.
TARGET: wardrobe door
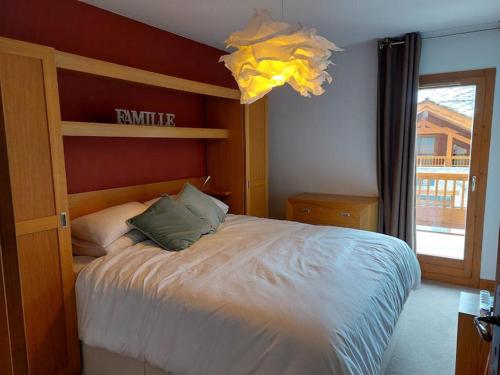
{"x":32,"y":147}
{"x":5,"y":348}
{"x":256,"y":156}
{"x":226,"y":157}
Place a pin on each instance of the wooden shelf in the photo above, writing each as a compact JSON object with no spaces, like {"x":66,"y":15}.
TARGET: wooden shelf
{"x":101,"y":68}
{"x":92,"y":129}
{"x":218,"y":193}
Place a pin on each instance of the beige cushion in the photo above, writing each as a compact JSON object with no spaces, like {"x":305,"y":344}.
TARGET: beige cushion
{"x":103,"y":227}
{"x":81,"y":247}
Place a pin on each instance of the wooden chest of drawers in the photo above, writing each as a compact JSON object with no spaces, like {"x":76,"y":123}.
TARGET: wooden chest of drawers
{"x":338,"y":210}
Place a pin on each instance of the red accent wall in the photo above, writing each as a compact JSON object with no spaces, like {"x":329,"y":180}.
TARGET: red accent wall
{"x":98,"y":163}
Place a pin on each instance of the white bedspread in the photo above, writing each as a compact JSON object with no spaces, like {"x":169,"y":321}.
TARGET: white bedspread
{"x":258,"y":297}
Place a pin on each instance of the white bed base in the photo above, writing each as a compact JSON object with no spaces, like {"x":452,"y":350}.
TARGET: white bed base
{"x":97,"y":361}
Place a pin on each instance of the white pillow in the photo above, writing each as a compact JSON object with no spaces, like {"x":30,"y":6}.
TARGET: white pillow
{"x":224,"y":207}
{"x":86,"y":248}
{"x":105,"y":226}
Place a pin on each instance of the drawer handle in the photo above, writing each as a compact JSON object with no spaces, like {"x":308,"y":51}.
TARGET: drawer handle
{"x":345,"y":214}
{"x":306,"y":210}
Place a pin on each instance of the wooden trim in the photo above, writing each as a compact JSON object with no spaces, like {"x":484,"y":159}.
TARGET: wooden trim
{"x":21,"y":48}
{"x":61,"y":205}
{"x":256,"y":186}
{"x":93,"y":129}
{"x":226,"y":158}
{"x":487,"y":285}
{"x":246,"y":129}
{"x":484,"y":79}
{"x":92,"y":201}
{"x":441,"y":261}
{"x":445,"y":278}
{"x":101,"y":68}
{"x":36,"y":225}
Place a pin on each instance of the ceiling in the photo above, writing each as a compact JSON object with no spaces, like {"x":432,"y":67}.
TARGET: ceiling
{"x":346,"y":22}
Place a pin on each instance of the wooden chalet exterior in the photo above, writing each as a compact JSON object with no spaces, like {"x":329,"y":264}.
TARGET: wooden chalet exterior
{"x":443,"y":136}
{"x":443,"y":142}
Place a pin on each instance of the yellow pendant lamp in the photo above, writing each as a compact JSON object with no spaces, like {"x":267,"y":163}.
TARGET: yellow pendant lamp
{"x":271,"y":53}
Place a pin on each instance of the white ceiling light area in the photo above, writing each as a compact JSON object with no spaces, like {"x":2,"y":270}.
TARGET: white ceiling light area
{"x":347,"y":22}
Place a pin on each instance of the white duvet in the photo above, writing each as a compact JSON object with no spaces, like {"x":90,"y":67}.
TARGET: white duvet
{"x":258,"y":297}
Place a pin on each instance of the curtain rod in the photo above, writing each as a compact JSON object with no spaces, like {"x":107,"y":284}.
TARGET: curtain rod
{"x":390,"y":44}
{"x":462,"y":32}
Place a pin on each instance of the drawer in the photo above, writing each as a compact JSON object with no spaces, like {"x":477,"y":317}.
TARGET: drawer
{"x":315,"y":214}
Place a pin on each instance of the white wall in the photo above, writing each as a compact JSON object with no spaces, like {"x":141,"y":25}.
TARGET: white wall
{"x":466,"y":52}
{"x":326,"y":143}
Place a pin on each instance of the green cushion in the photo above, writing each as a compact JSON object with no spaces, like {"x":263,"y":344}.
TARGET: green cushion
{"x":171,"y":225}
{"x":201,"y":205}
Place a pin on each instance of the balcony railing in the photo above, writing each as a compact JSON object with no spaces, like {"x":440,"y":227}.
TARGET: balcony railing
{"x":441,"y":199}
{"x":443,"y":161}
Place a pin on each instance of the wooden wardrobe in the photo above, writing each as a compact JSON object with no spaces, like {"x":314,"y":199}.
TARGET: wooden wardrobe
{"x":38,"y":325}
{"x":35,"y":240}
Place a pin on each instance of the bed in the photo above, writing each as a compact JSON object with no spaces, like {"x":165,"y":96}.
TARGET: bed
{"x":260,"y":296}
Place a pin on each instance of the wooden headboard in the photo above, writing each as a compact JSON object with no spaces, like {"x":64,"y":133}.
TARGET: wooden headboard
{"x":85,"y":203}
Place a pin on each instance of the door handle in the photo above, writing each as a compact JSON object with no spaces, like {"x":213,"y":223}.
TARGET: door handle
{"x":482,"y":329}
{"x":64,"y":220}
{"x":473,"y":183}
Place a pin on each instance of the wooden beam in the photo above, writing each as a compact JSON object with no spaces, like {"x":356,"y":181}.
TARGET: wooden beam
{"x":92,"y":129}
{"x":453,"y":117}
{"x":101,"y":68}
{"x":432,"y":129}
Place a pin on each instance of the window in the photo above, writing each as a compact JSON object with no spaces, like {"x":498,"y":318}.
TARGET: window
{"x":426,"y":145}
{"x":459,"y":150}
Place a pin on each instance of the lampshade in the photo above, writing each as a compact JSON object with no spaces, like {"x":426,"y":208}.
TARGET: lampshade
{"x":271,"y":53}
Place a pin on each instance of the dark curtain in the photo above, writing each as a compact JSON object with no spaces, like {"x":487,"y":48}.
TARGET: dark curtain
{"x":398,"y":62}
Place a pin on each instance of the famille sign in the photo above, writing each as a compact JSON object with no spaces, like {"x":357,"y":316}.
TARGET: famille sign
{"x":131,"y":117}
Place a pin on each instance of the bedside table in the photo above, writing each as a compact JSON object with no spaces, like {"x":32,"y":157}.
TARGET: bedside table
{"x":338,"y":210}
{"x":472,"y":352}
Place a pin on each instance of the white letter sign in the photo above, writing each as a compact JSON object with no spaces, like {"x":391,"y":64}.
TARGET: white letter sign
{"x":132,"y":117}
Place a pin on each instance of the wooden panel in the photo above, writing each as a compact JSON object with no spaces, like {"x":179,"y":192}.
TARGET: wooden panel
{"x":105,"y":69}
{"x":43,"y":302}
{"x":27,"y":135}
{"x":472,"y":352}
{"x":5,"y":348}
{"x":333,"y":200}
{"x":369,"y":218}
{"x":316,"y":214}
{"x":441,"y":217}
{"x":92,"y":201}
{"x":485,"y":284}
{"x":89,"y":129}
{"x":257,"y":198}
{"x":256,"y":158}
{"x":226,"y":158}
{"x":329,"y":209}
{"x":9,"y":262}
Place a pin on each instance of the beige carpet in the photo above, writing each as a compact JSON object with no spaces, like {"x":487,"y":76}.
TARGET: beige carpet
{"x":427,"y":343}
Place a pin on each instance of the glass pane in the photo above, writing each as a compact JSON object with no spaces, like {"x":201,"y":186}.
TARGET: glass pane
{"x":443,"y":148}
